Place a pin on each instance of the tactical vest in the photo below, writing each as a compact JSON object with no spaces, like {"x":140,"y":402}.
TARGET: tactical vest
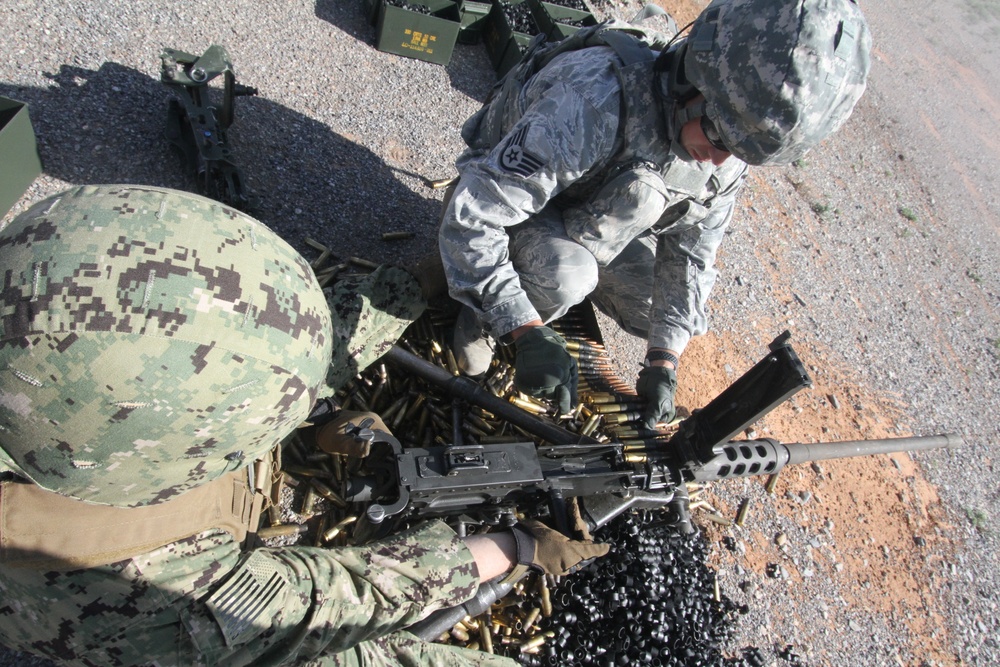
{"x":647,"y":167}
{"x":44,"y":530}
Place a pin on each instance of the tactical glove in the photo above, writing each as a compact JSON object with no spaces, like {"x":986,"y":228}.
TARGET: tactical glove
{"x":349,"y":433}
{"x":657,"y":386}
{"x":549,"y":551}
{"x":544,"y":369}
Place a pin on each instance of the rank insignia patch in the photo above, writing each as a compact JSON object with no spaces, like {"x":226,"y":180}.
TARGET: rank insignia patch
{"x":515,"y":159}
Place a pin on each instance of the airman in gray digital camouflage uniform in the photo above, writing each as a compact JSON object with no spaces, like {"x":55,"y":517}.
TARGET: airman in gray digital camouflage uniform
{"x":612,"y":172}
{"x":155,"y":347}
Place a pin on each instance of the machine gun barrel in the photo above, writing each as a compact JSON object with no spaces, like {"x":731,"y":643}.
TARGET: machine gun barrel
{"x":465,"y":389}
{"x":799,"y":452}
{"x":745,"y":458}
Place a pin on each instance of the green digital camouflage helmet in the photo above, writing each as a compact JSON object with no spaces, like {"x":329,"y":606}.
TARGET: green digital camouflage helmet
{"x":150,"y":341}
{"x":778,"y":77}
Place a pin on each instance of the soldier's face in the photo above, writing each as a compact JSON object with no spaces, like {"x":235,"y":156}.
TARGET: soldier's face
{"x":697,"y":145}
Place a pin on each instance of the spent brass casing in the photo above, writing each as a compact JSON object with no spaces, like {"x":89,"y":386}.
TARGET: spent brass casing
{"x":363,"y":263}
{"x":531,"y":618}
{"x":308,"y":502}
{"x":336,"y":529}
{"x":305,"y":471}
{"x":274,"y":515}
{"x":590,"y":425}
{"x":328,"y":493}
{"x":545,"y":598}
{"x":528,"y":405}
{"x":282,"y":530}
{"x":485,"y":636}
{"x":772,"y":481}
{"x":741,"y":514}
{"x":718,"y":518}
{"x":449,"y":356}
{"x":537,"y":640}
{"x":320,"y":529}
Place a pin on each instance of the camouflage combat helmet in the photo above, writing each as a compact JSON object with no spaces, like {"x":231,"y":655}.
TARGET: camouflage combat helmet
{"x":778,"y":77}
{"x":150,"y":341}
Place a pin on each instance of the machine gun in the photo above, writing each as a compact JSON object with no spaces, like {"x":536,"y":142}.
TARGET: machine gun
{"x":197,"y":127}
{"x":472,"y":483}
{"x":488,"y":484}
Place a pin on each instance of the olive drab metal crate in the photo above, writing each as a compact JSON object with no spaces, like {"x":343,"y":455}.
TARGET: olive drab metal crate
{"x":19,"y":161}
{"x":429,"y":37}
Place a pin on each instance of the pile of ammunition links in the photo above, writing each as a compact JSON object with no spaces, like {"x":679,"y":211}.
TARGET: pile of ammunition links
{"x":651,"y":601}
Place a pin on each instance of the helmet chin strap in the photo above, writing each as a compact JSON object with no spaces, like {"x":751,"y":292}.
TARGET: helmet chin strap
{"x":685,"y":113}
{"x":675,"y":91}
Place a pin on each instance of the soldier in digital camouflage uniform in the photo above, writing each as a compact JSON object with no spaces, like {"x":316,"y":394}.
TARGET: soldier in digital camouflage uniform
{"x":154,"y":347}
{"x":612,"y":172}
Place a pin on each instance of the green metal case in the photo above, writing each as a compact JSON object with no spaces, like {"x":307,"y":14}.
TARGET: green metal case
{"x":19,"y":161}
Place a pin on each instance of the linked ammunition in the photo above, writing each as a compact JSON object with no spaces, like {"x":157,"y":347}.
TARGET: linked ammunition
{"x":605,"y":408}
{"x":623,"y":417}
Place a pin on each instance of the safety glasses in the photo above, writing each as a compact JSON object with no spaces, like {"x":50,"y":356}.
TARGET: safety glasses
{"x":712,"y":134}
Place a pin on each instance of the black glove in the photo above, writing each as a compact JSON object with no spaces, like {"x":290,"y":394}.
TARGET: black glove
{"x":544,"y":369}
{"x":657,"y":386}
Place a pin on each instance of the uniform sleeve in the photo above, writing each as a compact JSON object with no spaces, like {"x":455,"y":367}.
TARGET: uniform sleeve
{"x":685,"y":274}
{"x":563,"y":133}
{"x":296,"y":603}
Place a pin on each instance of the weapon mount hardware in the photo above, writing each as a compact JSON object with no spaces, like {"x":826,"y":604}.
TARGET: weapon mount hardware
{"x":198,"y":129}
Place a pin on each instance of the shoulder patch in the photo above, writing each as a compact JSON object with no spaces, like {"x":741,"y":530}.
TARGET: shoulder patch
{"x":245,"y":604}
{"x":516,"y":160}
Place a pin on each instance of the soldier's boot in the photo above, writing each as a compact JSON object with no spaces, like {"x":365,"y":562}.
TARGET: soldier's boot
{"x":472,"y":346}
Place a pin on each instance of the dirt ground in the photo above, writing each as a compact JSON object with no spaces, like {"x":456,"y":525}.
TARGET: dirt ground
{"x":877,"y":514}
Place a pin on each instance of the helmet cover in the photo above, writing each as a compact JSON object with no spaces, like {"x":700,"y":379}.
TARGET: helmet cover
{"x":778,"y":77}
{"x":150,"y":341}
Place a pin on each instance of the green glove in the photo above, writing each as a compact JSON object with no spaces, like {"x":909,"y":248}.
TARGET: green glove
{"x":544,"y":369}
{"x":657,"y":386}
{"x":541,"y":548}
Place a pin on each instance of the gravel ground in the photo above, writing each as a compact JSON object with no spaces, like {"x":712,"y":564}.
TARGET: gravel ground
{"x":878,"y":251}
